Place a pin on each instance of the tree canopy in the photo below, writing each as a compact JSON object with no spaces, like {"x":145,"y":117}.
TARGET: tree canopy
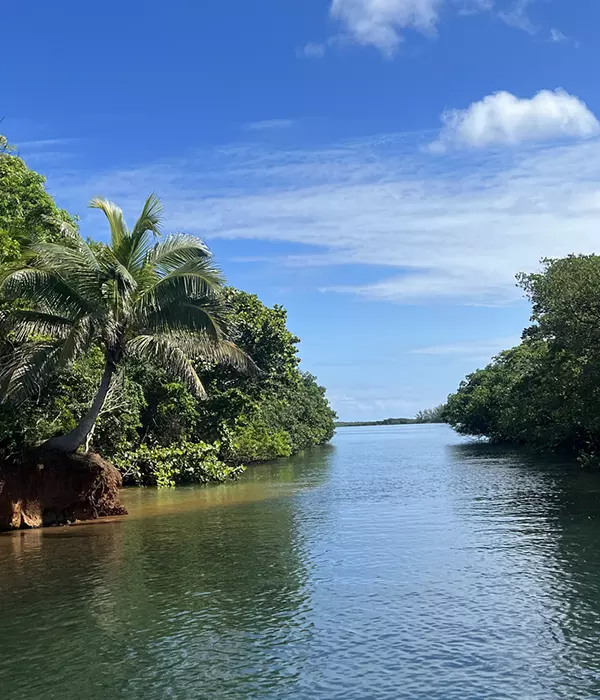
{"x":26,"y":209}
{"x":134,"y":305}
{"x":544,"y":392}
{"x":135,"y":297}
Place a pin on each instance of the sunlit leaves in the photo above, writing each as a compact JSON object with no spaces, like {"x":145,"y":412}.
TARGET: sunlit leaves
{"x":136,"y":295}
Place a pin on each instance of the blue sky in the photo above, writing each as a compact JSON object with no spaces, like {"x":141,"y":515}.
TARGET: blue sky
{"x":382,"y":168}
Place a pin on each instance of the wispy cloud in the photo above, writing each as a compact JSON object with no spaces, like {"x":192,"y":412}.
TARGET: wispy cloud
{"x":41,"y":152}
{"x":268,"y":124}
{"x":312,"y":50}
{"x":41,"y":144}
{"x":517,"y":16}
{"x":557,"y":37}
{"x":472,"y":350}
{"x":449,"y":229}
{"x":377,"y":402}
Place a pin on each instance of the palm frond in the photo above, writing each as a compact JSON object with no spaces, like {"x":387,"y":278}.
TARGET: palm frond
{"x":24,"y":372}
{"x":150,"y":219}
{"x":79,"y":339}
{"x":114,"y":397}
{"x":77,"y":264}
{"x":64,"y":256}
{"x":202,"y":347}
{"x":165,"y":352}
{"x":195,"y":280}
{"x":118,"y":228}
{"x":149,"y":222}
{"x":228,"y":353}
{"x":24,"y":324}
{"x":185,"y":314}
{"x":121,"y":283}
{"x":176,"y":250}
{"x":45,"y":291}
{"x":66,"y":228}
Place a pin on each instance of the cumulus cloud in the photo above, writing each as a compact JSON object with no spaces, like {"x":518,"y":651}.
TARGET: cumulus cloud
{"x":383,"y":23}
{"x":502,"y":118}
{"x":379,"y":22}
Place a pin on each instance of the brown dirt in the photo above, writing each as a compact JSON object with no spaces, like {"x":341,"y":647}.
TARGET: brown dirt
{"x":53,"y":488}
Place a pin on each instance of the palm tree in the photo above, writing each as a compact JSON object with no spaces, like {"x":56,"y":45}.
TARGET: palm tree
{"x":136,"y":297}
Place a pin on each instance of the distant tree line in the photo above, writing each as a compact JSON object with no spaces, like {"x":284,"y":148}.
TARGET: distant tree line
{"x":429,"y":415}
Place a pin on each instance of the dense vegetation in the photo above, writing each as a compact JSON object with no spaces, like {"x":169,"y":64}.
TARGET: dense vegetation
{"x":159,"y":426}
{"x":429,"y":415}
{"x":26,"y":209}
{"x":544,"y":392}
{"x":135,"y":298}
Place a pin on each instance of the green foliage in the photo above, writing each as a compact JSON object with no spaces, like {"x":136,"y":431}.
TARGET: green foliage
{"x":188,"y":463}
{"x":251,"y":421}
{"x":9,"y":247}
{"x":429,"y":415}
{"x":262,"y":332}
{"x":251,"y":440}
{"x":432,"y":415}
{"x":62,"y":403}
{"x":366,"y":423}
{"x":302,"y":410}
{"x":282,"y":405}
{"x":184,"y":397}
{"x":171,"y":412}
{"x":135,"y":298}
{"x":26,"y":210}
{"x":546,"y":391}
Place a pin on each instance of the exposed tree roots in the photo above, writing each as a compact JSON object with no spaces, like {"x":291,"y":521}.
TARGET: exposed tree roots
{"x":53,"y":488}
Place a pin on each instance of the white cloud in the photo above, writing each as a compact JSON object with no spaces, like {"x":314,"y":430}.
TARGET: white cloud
{"x":379,"y":22}
{"x":470,"y":7}
{"x":383,"y":23}
{"x":471,"y":350}
{"x":378,"y":402}
{"x":38,"y":153}
{"x":267,"y":124}
{"x":502,"y":118}
{"x":447,"y":230}
{"x":517,"y":17}
{"x":557,"y":37}
{"x":40,"y":144}
{"x":312,"y":50}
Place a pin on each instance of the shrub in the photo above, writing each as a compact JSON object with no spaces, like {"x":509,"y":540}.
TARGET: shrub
{"x":188,"y":463}
{"x":252,"y":441}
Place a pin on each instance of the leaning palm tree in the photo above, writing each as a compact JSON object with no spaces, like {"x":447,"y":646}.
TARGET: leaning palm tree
{"x":136,"y":297}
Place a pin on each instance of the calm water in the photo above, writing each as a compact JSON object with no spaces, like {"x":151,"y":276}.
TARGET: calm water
{"x":398,"y":563}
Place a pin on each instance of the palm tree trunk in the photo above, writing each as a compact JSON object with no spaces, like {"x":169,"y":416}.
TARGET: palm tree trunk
{"x":73,"y":440}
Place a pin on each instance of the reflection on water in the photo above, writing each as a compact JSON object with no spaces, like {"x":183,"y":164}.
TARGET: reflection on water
{"x":402,"y":562}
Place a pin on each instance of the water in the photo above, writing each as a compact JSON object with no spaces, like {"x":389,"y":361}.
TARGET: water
{"x":399,"y":563}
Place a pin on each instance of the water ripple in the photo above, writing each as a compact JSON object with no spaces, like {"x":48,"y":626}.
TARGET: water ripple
{"x":402,"y":563}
